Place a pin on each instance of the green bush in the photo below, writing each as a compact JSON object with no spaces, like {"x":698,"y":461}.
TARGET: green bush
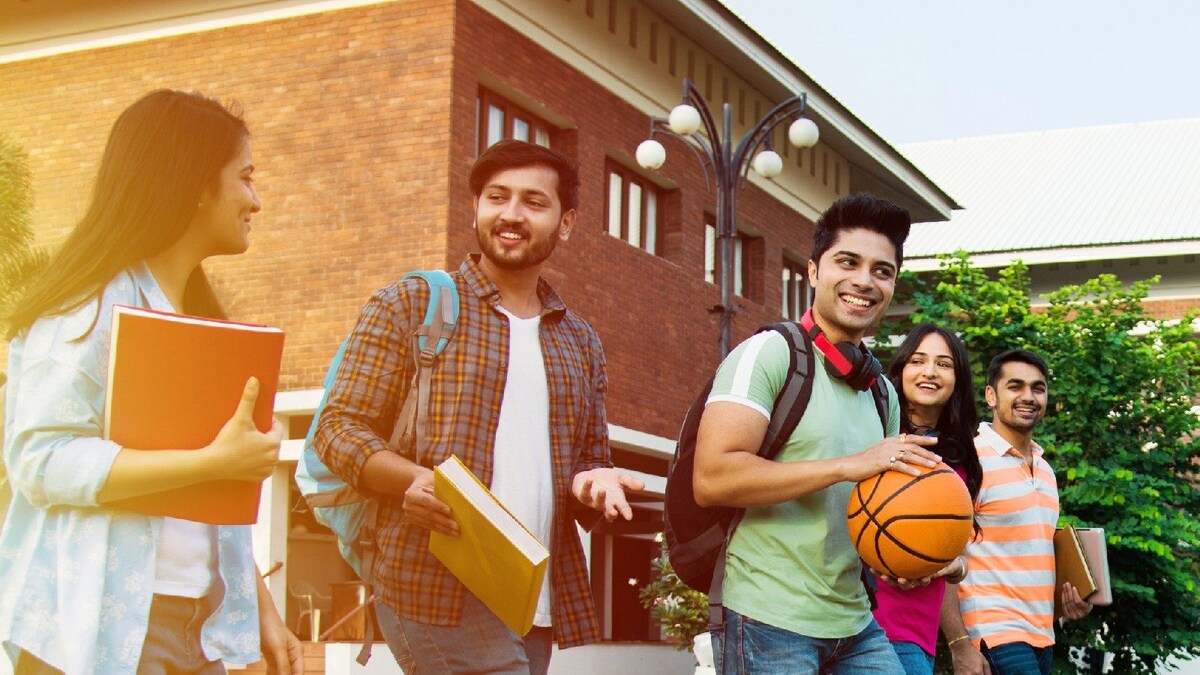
{"x":681,"y":611}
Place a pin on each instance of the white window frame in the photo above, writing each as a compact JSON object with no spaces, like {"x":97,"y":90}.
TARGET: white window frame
{"x":796,"y":293}
{"x":501,"y":119}
{"x":712,"y":257}
{"x":632,"y":208}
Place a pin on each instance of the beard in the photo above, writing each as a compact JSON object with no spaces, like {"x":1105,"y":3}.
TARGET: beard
{"x":534,"y":253}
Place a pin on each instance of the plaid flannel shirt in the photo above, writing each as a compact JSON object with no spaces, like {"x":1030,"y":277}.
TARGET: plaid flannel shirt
{"x":464,"y":409}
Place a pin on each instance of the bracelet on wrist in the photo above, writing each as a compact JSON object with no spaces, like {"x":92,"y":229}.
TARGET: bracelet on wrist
{"x":960,"y":638}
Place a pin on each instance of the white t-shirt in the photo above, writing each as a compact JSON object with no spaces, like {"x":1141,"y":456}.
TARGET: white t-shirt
{"x":522,"y":475}
{"x":184,"y":562}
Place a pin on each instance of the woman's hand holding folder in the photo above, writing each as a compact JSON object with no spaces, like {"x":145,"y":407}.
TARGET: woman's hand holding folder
{"x":240,"y":451}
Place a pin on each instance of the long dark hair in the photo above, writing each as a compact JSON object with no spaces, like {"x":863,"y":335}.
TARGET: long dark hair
{"x":959,"y":419}
{"x":162,"y":154}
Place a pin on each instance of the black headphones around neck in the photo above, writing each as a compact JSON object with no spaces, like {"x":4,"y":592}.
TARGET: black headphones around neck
{"x":853,"y":364}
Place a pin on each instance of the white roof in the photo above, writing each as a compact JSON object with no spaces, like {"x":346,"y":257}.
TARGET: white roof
{"x":1133,"y":186}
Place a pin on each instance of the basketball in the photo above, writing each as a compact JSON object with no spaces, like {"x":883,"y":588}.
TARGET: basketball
{"x":910,"y":526}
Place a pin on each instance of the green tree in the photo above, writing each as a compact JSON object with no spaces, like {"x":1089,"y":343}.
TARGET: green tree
{"x":991,"y":315}
{"x":1121,"y":434}
{"x":19,"y":261}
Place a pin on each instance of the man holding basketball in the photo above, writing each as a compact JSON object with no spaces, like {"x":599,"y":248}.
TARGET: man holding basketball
{"x":1003,"y":622}
{"x":793,"y":598}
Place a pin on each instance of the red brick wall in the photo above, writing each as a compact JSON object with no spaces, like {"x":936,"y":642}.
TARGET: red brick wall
{"x":364,"y":131}
{"x":1171,"y":309}
{"x":651,"y":311}
{"x":350,"y":124}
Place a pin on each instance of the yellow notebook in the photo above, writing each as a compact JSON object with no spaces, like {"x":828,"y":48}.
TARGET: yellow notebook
{"x":495,"y":557}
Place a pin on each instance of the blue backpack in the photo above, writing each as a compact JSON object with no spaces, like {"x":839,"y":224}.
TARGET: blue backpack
{"x":335,"y":504}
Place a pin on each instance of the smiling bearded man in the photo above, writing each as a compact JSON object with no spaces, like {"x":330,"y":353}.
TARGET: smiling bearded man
{"x":545,"y":458}
{"x":1005,"y":606}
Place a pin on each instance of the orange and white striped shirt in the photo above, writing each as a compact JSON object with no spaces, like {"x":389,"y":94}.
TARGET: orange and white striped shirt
{"x":1009,"y":594}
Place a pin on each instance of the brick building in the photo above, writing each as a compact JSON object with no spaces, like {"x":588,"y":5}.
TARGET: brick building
{"x":366,"y":117}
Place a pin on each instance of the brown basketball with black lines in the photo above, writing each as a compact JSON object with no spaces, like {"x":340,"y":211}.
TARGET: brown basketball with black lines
{"x":910,"y":526}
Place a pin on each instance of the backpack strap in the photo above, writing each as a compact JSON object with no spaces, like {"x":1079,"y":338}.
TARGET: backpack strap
{"x":793,"y":398}
{"x":428,"y":343}
{"x":882,"y":396}
{"x":367,"y":548}
{"x":790,"y":404}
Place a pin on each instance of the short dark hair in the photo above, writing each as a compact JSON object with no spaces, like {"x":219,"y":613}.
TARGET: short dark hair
{"x":1019,"y":355}
{"x":510,"y":154}
{"x":866,"y":211}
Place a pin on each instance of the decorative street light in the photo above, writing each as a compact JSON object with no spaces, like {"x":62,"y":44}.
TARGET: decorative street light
{"x":729,"y":165}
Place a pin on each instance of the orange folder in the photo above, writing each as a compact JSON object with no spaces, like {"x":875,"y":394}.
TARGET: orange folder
{"x":173,"y":382}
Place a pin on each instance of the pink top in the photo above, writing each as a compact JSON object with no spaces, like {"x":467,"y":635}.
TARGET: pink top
{"x":913,"y":615}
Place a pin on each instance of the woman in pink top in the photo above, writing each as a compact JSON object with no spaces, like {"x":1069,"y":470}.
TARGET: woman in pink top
{"x":932,"y":376}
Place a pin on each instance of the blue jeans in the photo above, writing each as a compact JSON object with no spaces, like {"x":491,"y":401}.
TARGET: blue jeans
{"x":173,"y":639}
{"x":172,"y":645}
{"x":480,"y":643}
{"x":1018,"y":658}
{"x":913,"y":658}
{"x":749,"y":646}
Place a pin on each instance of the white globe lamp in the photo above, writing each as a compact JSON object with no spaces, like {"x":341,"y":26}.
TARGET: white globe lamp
{"x":651,"y":154}
{"x":684,"y":120}
{"x":803,"y":133}
{"x":767,"y":164}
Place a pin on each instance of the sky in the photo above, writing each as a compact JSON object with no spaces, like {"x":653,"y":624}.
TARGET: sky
{"x":921,"y":70}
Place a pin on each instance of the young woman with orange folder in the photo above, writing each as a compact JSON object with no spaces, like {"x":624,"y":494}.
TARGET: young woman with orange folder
{"x":93,"y":589}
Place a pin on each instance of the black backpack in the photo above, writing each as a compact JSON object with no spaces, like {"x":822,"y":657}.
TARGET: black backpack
{"x":697,"y":536}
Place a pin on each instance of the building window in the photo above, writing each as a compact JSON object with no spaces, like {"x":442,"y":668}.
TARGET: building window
{"x":500,"y":119}
{"x":621,"y":563}
{"x":797,"y":294}
{"x":632,"y":208}
{"x":712,"y":258}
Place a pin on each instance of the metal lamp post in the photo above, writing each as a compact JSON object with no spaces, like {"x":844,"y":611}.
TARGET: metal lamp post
{"x":729,"y":165}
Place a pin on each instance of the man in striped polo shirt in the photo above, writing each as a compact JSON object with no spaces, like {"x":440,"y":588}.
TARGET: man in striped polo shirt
{"x":1002,"y":621}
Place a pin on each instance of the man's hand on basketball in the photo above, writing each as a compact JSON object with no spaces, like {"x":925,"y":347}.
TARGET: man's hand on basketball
{"x":422,"y":509}
{"x":902,"y":453}
{"x":1073,"y":605}
{"x":604,"y":490}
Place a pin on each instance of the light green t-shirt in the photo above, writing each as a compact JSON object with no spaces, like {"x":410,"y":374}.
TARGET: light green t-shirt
{"x":792,"y":565}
